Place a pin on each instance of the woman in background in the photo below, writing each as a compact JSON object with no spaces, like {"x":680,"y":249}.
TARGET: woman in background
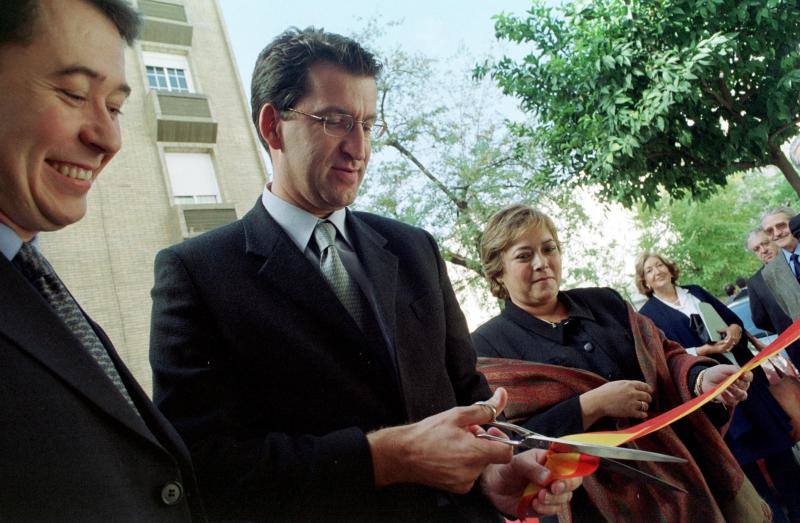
{"x":760,"y":428}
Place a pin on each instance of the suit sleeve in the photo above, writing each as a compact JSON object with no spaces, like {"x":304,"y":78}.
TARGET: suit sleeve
{"x":758,"y":310}
{"x":469,"y":384}
{"x":246,"y":476}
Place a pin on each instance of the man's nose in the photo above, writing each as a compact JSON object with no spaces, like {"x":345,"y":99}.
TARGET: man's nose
{"x":356,"y":143}
{"x":100,"y":131}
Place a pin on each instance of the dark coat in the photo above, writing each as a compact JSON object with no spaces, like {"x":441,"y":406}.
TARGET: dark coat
{"x":274,"y":387}
{"x":767,"y":314}
{"x":676,"y":325}
{"x":539,"y":393}
{"x":760,"y":427}
{"x":71,"y":448}
{"x":604,"y":317}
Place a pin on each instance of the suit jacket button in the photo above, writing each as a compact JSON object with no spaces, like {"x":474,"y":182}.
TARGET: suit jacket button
{"x":172,"y":493}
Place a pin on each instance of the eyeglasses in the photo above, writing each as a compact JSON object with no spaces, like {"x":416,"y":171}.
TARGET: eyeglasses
{"x":340,"y":125}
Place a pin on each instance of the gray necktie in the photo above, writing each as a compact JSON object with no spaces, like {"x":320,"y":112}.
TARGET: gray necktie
{"x":343,"y":285}
{"x":42,"y":276}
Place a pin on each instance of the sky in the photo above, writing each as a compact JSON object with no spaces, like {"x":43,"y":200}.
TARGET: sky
{"x":441,"y":29}
{"x":437,"y":27}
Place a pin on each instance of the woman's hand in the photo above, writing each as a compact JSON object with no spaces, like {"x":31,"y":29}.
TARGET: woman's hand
{"x":617,"y":399}
{"x":735,"y":393}
{"x":732,"y":335}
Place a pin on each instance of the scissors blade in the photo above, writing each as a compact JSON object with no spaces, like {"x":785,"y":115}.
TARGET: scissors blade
{"x":634,"y":473}
{"x":601,"y":451}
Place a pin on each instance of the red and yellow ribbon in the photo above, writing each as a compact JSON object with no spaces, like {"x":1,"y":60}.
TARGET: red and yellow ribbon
{"x":573,"y":464}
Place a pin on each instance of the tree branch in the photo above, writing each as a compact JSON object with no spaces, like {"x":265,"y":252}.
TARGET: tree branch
{"x":463,"y":261}
{"x":780,"y":130}
{"x":459,"y":203}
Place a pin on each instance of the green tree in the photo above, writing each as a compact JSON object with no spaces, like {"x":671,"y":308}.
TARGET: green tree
{"x":447,"y":160}
{"x":641,"y":97}
{"x":707,"y":238}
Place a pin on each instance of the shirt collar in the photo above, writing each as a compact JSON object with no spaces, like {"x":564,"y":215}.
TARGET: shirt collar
{"x":682,"y":295}
{"x":298,"y":223}
{"x":10,"y":243}
{"x":575,"y":310}
{"x":788,"y":254}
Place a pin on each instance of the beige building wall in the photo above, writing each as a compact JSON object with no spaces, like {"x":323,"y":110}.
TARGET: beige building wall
{"x":106,"y":260}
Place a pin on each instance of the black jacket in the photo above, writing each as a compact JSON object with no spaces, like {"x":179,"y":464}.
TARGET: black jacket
{"x":274,"y":387}
{"x":71,"y":448}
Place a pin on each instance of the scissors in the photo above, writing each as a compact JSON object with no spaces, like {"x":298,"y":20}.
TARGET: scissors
{"x":534,"y":440}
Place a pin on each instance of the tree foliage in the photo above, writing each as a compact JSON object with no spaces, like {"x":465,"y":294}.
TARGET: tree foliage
{"x":639,"y":97}
{"x":447,"y":160}
{"x":707,"y":238}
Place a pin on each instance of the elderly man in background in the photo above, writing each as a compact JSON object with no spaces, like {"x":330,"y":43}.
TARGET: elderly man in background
{"x":79,"y":439}
{"x":775,"y":288}
{"x":761,"y":246}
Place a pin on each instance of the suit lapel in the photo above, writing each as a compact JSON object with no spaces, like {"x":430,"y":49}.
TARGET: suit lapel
{"x":287,"y":269}
{"x":28,"y":321}
{"x":780,"y":279}
{"x":381,"y":268}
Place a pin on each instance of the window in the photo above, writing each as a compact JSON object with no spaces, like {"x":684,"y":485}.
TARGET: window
{"x":192,"y":178}
{"x":168,"y":72}
{"x":167,"y":79}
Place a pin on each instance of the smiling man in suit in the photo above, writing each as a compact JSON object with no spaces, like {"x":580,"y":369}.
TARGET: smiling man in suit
{"x":79,"y":439}
{"x":775,"y":288}
{"x":315,"y":359}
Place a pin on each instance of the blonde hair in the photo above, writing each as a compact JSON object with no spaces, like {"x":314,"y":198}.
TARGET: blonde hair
{"x":640,"y":261}
{"x":503,"y":229}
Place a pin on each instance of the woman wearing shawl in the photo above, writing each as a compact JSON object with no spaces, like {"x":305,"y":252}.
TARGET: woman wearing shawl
{"x":606,"y":368}
{"x":760,"y":428}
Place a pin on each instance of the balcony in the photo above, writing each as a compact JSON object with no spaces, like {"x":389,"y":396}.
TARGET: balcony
{"x":181,"y":117}
{"x":198,"y":218}
{"x":165,"y":22}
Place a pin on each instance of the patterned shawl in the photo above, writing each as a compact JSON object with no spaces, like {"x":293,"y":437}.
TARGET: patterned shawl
{"x":717,"y":488}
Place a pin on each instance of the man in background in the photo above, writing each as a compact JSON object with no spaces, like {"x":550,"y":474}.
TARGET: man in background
{"x":775,"y":289}
{"x":741,"y":284}
{"x":761,"y":245}
{"x":315,"y":359}
{"x":79,"y":439}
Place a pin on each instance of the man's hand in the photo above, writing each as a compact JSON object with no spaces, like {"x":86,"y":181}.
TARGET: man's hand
{"x":738,"y":389}
{"x":504,"y":485}
{"x":440,"y":451}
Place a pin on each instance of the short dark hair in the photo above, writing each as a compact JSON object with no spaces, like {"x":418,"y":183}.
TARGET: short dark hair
{"x":741,"y":282}
{"x":730,"y":290}
{"x":281,"y":71}
{"x":18,"y":19}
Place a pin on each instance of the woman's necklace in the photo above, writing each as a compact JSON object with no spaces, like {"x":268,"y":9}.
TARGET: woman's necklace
{"x":553,"y":324}
{"x":675,"y":301}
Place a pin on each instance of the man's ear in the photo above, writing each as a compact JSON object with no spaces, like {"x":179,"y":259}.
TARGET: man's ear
{"x":268,"y":120}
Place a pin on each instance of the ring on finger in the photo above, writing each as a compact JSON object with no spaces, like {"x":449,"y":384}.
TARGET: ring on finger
{"x":491,"y":408}
{"x":644,"y":406}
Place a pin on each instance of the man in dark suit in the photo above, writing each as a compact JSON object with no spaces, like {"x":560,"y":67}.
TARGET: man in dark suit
{"x":314,"y":358}
{"x":79,"y":439}
{"x":774,"y":289}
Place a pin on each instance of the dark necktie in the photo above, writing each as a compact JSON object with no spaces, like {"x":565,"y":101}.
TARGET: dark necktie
{"x":795,"y":266}
{"x":44,"y":279}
